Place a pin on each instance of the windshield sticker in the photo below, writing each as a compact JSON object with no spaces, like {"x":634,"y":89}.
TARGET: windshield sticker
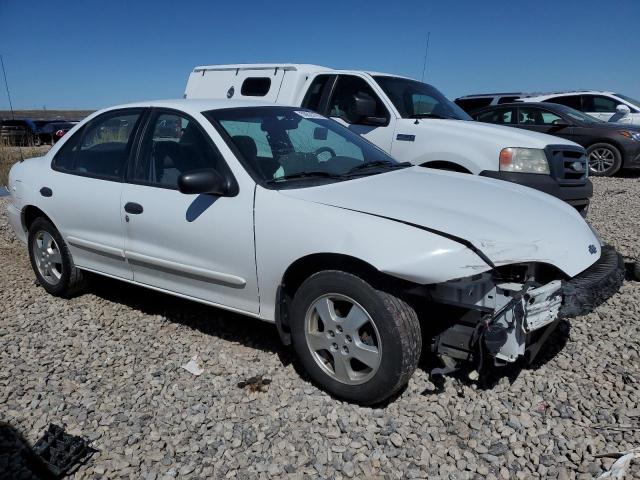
{"x":306,"y":114}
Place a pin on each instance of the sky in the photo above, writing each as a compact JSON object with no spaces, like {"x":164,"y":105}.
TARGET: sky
{"x":93,"y":54}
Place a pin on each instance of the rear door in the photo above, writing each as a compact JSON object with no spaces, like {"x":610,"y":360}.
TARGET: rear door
{"x":86,"y":184}
{"x":200,"y":246}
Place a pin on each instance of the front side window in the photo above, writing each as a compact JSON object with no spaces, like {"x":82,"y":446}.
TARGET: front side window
{"x":173,"y":144}
{"x":102,"y":147}
{"x":419,"y":100}
{"x":501,"y":116}
{"x":572,"y":101}
{"x":599,"y":104}
{"x":284,"y":145}
{"x":342,"y":103}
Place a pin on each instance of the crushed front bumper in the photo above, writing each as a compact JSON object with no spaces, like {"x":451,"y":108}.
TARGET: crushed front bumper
{"x":584,"y":292}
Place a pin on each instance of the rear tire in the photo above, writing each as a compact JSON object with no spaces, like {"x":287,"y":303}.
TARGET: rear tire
{"x":604,"y":160}
{"x":358,"y":343}
{"x":51,"y":260}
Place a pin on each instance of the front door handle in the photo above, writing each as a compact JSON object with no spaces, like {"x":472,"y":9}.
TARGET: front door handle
{"x":133,"y":208}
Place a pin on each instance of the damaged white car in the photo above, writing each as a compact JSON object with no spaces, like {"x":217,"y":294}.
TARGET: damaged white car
{"x":281,"y":214}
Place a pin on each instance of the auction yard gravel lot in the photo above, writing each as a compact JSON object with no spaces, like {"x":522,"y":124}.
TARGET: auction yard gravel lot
{"x":108,"y":365}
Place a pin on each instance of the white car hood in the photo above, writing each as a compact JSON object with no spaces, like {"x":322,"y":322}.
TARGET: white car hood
{"x":508,"y":223}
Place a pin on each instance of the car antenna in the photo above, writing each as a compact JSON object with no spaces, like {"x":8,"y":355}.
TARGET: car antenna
{"x":424,"y":66}
{"x":6,"y":85}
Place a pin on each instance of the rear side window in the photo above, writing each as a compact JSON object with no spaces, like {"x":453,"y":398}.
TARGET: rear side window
{"x":572,"y":101}
{"x":501,"y":116}
{"x":472,"y":104}
{"x":102,"y":148}
{"x":314,"y":94}
{"x":256,"y":86}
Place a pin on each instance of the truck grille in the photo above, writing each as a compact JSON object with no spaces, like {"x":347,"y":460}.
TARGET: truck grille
{"x":567,"y":164}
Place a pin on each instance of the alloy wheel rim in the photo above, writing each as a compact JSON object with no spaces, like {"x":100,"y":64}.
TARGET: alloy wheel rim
{"x":601,"y":160}
{"x":343,"y":339}
{"x":47,"y":256}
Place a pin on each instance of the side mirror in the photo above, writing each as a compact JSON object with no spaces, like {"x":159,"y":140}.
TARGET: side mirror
{"x":560,"y":123}
{"x":363,"y":111}
{"x":623,"y":109}
{"x":205,"y":180}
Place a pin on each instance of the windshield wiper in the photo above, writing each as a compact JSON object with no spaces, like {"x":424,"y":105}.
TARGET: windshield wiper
{"x":312,"y":173}
{"x":377,"y":163}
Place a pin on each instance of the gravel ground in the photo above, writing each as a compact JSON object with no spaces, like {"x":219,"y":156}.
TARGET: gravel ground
{"x":107,"y":364}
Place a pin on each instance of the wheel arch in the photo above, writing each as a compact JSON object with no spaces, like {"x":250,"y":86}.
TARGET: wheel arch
{"x":304,"y":267}
{"x":29,"y":215}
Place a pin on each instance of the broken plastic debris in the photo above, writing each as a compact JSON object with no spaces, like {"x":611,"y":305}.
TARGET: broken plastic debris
{"x":62,"y":452}
{"x":192,"y":366}
{"x":255,"y":384}
{"x":619,"y":468}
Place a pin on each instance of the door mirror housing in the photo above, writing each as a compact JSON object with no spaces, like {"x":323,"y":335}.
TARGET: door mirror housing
{"x":205,"y":180}
{"x":623,"y":109}
{"x":363,"y":111}
{"x":560,"y":123}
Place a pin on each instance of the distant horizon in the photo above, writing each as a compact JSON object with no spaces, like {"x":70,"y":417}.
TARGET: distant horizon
{"x":85,"y":56}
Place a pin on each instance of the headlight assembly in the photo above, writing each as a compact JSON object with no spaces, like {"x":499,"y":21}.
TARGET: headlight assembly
{"x":523,"y":160}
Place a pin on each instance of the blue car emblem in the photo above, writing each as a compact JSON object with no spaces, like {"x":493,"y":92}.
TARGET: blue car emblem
{"x":592,"y":249}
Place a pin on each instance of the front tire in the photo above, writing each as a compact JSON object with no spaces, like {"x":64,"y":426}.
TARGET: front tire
{"x":51,"y":260}
{"x":358,"y":343}
{"x":604,"y":160}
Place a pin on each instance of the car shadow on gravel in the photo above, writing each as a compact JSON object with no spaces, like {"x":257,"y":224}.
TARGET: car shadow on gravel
{"x":209,"y":320}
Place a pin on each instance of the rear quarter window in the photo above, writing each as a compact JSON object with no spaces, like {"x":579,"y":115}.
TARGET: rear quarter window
{"x":255,"y":86}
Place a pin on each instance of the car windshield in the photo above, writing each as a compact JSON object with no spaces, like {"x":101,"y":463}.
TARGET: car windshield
{"x":633,"y":101}
{"x":419,"y":100}
{"x":285,"y":146}
{"x":577,"y":114}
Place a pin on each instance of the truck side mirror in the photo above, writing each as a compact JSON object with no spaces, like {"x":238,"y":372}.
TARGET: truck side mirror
{"x":363,"y":111}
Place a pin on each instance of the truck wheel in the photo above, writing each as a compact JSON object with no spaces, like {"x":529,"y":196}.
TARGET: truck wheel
{"x":358,"y":343}
{"x":51,"y":260}
{"x":604,"y":160}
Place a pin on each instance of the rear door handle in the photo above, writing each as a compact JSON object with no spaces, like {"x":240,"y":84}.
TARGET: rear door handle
{"x":133,"y":208}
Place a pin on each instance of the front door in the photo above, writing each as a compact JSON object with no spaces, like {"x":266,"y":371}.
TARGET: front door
{"x":340,"y":108}
{"x":85,"y":189}
{"x":200,"y":246}
{"x":544,"y":121}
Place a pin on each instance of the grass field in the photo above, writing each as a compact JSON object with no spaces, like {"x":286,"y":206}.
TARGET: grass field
{"x":11,"y":155}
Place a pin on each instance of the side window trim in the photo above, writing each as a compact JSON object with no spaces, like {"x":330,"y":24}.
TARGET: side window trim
{"x":327,"y":92}
{"x":144,"y":133}
{"x":82,"y":132}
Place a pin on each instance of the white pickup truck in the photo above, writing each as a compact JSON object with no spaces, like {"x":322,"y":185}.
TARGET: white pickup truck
{"x":413,"y":121}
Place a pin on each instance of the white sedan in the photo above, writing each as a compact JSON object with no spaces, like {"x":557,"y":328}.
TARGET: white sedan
{"x":281,"y":214}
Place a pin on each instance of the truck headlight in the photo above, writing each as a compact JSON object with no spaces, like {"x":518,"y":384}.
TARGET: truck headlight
{"x":523,"y":160}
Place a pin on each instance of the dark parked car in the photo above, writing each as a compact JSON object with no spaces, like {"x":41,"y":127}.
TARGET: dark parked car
{"x":51,"y":132}
{"x":17,"y":132}
{"x":609,"y":146}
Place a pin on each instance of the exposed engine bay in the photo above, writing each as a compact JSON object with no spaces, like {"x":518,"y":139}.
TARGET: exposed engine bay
{"x":500,"y":317}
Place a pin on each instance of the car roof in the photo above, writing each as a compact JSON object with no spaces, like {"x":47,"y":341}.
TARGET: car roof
{"x":193,"y":105}
{"x":567,"y":93}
